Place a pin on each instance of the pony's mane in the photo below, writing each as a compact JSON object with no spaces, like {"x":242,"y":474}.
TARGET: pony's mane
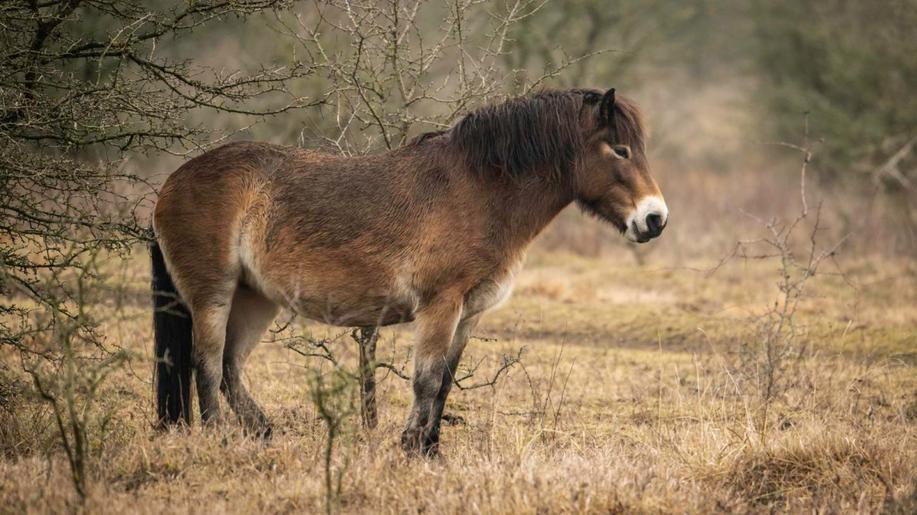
{"x":541,"y":132}
{"x":424,"y":136}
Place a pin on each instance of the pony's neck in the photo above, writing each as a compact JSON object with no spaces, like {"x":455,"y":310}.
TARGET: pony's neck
{"x":524,"y":208}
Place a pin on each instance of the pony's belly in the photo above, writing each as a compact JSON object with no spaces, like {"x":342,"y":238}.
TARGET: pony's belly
{"x":323,"y":291}
{"x":374,"y":311}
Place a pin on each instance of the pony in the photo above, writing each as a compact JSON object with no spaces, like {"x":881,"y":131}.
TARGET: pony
{"x":432,"y":232}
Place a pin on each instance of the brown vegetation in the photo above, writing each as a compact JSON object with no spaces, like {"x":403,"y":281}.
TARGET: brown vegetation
{"x":666,"y":426}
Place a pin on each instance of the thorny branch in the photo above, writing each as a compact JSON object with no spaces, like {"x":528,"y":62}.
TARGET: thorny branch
{"x":767,"y":360}
{"x":508,"y":361}
{"x":321,"y":348}
{"x":393,"y":82}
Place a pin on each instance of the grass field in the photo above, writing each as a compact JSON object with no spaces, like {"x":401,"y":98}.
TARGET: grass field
{"x":637,"y":391}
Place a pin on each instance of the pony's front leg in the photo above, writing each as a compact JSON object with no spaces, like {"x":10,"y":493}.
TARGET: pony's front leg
{"x":453,"y":356}
{"x":436,"y":326}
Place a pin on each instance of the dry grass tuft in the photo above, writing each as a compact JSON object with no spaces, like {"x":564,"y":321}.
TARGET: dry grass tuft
{"x":820,"y":470}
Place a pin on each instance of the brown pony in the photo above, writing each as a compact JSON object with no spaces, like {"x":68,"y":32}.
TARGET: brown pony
{"x":432,"y":232}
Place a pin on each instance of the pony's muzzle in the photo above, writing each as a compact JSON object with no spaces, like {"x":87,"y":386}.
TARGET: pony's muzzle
{"x":648,"y":220}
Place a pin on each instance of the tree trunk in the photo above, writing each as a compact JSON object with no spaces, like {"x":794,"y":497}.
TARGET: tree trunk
{"x":366,"y":338}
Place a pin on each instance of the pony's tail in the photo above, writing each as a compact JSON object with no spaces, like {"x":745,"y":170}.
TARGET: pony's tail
{"x":172,"y":335}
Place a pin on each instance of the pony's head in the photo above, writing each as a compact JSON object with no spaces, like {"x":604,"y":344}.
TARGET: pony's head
{"x":584,"y":142}
{"x":613,"y":178}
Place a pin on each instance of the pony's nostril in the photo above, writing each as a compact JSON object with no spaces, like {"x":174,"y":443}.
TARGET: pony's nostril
{"x":654,"y":224}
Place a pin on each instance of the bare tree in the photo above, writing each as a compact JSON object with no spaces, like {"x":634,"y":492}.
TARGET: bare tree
{"x":391,"y":78}
{"x":83,"y":85}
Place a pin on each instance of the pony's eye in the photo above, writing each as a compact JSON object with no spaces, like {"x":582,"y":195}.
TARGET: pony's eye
{"x":622,"y":151}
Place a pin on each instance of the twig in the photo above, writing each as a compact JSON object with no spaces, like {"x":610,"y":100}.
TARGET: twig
{"x":508,"y":362}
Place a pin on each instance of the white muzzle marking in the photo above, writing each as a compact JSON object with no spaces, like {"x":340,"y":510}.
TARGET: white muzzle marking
{"x":636,"y":222}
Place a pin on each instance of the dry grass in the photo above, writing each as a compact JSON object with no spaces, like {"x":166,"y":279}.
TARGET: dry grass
{"x":627,"y":401}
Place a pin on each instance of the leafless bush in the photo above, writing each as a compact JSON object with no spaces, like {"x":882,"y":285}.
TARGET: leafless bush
{"x":769,"y":360}
{"x":367,"y":340}
{"x":68,"y":371}
{"x":403,"y":67}
{"x":546,"y":409}
{"x":84,"y":84}
{"x":332,"y":391}
{"x":331,"y":394}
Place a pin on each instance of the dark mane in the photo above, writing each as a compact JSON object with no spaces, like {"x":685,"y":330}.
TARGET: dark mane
{"x":420,"y":138}
{"x":542,"y":132}
{"x":537,"y":131}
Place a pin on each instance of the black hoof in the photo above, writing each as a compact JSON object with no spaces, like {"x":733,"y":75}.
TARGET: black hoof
{"x":453,"y":420}
{"x":417,"y":442}
{"x":262,"y":432}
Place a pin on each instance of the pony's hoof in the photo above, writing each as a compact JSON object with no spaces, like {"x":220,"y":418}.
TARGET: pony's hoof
{"x":417,"y":442}
{"x":411,"y":441}
{"x":263,"y":433}
{"x":258,"y":427}
{"x":453,"y":420}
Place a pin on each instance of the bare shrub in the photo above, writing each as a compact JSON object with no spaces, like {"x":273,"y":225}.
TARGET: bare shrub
{"x":547,"y":402}
{"x":769,"y":359}
{"x":401,"y":68}
{"x":367,"y":340}
{"x":332,"y":396}
{"x":84,"y":86}
{"x":68,"y":371}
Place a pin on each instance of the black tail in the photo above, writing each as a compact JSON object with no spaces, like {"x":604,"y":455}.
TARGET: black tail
{"x":172,"y":333}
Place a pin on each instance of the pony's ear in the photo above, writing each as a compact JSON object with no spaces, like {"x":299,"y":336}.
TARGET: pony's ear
{"x":607,"y":108}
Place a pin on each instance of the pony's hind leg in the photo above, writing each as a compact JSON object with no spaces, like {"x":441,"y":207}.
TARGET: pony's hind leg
{"x":209,"y":331}
{"x":251,"y":315}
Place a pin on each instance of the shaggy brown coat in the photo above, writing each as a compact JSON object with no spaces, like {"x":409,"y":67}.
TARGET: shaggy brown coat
{"x":433,"y":232}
